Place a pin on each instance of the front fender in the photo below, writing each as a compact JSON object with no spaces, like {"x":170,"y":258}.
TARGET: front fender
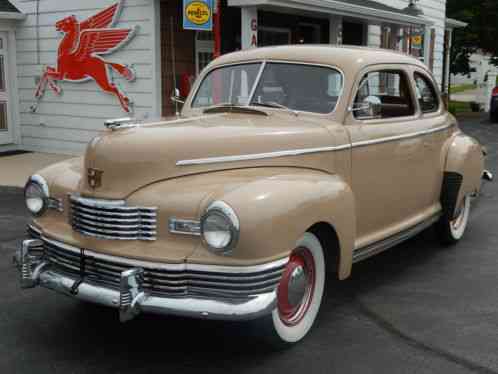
{"x":275,"y":211}
{"x":465,"y":157}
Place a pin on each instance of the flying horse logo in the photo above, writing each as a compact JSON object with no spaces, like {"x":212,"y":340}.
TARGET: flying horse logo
{"x":79,"y":55}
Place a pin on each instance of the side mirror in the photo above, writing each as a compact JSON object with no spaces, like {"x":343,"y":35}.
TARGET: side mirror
{"x":176,"y":98}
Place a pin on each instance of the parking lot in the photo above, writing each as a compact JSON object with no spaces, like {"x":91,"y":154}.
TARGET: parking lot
{"x":418,"y":308}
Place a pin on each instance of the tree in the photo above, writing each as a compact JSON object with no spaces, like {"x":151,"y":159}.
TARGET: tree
{"x":480,"y":35}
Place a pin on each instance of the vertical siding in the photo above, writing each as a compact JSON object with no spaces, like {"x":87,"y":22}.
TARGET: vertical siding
{"x":66,"y":123}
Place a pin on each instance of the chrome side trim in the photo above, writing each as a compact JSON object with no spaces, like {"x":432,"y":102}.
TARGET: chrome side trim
{"x":304,"y":151}
{"x":401,"y":137}
{"x":260,"y":156}
{"x":360,"y":254}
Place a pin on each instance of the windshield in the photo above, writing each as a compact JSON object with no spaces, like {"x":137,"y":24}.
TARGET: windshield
{"x":298,"y":87}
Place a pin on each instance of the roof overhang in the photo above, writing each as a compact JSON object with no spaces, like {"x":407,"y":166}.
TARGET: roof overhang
{"x":452,"y":23}
{"x":335,"y":7}
{"x":12,"y":16}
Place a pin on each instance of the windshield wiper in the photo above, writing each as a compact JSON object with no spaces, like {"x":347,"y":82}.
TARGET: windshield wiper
{"x":273,"y":104}
{"x":231,"y":107}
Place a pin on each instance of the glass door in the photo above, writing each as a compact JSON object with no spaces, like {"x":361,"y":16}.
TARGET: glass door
{"x":5,"y":127}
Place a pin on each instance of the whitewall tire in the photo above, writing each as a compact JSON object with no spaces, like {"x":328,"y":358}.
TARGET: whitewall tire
{"x":451,"y":230}
{"x":299,"y":293}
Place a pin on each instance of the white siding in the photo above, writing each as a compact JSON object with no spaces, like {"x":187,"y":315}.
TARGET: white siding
{"x":66,"y":123}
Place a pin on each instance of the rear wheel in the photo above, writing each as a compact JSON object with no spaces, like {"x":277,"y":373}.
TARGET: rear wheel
{"x":299,"y":294}
{"x":452,"y":229}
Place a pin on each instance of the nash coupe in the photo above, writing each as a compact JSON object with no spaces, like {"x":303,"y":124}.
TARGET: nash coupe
{"x":285,"y":166}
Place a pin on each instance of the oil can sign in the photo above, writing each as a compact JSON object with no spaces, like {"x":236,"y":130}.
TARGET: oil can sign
{"x":198,"y":15}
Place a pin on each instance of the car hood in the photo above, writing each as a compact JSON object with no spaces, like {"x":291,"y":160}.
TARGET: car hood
{"x":131,"y":158}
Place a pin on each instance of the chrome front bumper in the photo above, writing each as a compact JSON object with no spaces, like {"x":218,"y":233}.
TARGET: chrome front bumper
{"x":131,"y":299}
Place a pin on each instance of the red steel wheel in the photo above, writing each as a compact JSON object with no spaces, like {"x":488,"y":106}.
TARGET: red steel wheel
{"x":296,"y":288}
{"x":299,"y":293}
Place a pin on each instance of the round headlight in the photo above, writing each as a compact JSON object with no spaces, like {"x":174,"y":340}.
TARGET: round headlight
{"x":36,"y":195}
{"x":220,"y":227}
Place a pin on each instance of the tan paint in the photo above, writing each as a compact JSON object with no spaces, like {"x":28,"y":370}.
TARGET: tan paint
{"x":366,"y":193}
{"x":465,"y":157}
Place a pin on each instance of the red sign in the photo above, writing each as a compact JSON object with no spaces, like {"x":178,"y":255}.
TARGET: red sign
{"x":79,"y":55}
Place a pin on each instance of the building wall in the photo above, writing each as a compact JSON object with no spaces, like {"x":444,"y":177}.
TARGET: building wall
{"x":434,"y":10}
{"x":66,"y":123}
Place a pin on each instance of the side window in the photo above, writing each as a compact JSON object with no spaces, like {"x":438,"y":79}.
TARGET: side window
{"x":383,"y":94}
{"x":426,"y":94}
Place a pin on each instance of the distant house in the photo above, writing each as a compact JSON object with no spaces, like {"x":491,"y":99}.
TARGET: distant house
{"x":164,"y":54}
{"x":481,"y":64}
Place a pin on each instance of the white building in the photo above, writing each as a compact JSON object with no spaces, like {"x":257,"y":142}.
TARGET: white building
{"x":65,"y":122}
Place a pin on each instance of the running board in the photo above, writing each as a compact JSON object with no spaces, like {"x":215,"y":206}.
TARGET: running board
{"x":363,"y":253}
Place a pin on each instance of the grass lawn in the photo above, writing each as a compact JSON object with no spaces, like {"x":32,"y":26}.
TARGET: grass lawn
{"x":462,"y":87}
{"x":456,"y":107}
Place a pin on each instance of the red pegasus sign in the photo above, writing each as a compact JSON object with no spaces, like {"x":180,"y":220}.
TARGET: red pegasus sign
{"x":79,"y":55}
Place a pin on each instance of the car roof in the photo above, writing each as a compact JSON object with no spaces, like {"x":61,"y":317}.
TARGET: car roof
{"x":349,"y":59}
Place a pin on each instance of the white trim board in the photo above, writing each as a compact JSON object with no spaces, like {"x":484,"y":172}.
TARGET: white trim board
{"x":338,"y":8}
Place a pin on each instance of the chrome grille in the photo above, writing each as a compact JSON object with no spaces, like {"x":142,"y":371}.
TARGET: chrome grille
{"x":112,"y":219}
{"x":163,"y":280}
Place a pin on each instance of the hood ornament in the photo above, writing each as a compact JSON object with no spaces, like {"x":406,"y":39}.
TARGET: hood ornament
{"x":119,"y":123}
{"x":94,"y":177}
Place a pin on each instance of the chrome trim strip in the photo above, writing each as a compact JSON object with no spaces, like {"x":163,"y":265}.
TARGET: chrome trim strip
{"x":260,"y":156}
{"x":190,"y":223}
{"x":34,"y":228}
{"x":174,"y":267}
{"x":304,"y":151}
{"x":401,"y":137}
{"x":109,"y":204}
{"x":360,"y":254}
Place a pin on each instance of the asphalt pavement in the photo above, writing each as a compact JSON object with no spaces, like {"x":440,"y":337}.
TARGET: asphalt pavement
{"x":418,"y":308}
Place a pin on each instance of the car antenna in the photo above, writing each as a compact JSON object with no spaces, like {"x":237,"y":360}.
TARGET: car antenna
{"x":173,"y":63}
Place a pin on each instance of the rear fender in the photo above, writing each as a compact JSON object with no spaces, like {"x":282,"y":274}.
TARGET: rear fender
{"x":465,"y":157}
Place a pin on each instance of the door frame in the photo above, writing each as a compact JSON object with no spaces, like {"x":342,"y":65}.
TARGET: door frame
{"x":11,"y":81}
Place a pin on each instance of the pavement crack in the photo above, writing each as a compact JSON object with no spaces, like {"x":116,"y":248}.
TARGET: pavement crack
{"x":417,"y":344}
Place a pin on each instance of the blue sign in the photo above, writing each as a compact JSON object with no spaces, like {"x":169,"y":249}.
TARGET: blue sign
{"x":198,"y":15}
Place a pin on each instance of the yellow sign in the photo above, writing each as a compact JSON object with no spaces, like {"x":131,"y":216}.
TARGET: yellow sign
{"x":198,"y":13}
{"x":417,"y":40}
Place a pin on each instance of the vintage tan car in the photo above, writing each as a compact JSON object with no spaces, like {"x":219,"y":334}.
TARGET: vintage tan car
{"x":285,"y":166}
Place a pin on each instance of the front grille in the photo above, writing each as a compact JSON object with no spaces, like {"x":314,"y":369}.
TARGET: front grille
{"x":112,"y":219}
{"x":163,"y":280}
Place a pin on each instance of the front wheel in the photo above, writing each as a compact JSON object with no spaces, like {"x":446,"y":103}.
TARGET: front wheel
{"x":451,"y":229}
{"x":299,"y":293}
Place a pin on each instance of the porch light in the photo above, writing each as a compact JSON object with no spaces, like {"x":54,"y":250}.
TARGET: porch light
{"x":413,"y":9}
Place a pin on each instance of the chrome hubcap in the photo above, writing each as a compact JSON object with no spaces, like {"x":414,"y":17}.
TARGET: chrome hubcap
{"x":297,"y":286}
{"x":295,"y":290}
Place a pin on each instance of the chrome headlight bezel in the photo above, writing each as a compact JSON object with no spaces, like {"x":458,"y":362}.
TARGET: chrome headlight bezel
{"x":41,"y":184}
{"x":225,"y":212}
